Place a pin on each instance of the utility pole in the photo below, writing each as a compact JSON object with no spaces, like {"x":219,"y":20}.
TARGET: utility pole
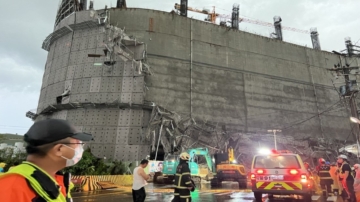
{"x":274,"y":131}
{"x":349,"y":90}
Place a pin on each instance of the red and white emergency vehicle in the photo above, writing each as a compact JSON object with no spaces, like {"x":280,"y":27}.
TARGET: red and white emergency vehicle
{"x":280,"y":173}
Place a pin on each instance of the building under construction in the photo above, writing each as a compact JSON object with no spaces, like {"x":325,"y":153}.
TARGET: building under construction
{"x":138,"y":78}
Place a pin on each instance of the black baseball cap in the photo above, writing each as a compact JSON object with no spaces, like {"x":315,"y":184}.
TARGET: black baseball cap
{"x":52,"y":130}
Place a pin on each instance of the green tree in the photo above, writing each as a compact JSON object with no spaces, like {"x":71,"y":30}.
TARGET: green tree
{"x":117,"y":168}
{"x":88,"y":165}
{"x":2,"y":138}
{"x":11,"y":157}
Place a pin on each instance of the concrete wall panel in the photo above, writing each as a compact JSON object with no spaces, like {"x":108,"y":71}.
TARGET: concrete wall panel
{"x":279,"y":77}
{"x":240,"y":80}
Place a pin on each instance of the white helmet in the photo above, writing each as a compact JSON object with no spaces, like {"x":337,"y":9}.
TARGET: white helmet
{"x":185,"y":156}
{"x":342,"y":156}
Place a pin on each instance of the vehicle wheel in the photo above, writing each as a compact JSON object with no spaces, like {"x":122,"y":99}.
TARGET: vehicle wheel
{"x":270,"y":196}
{"x":307,"y":197}
{"x":215,"y":182}
{"x":242,"y":185}
{"x":168,"y":180}
{"x":157,"y":174}
{"x":258,"y":196}
{"x":219,"y":183}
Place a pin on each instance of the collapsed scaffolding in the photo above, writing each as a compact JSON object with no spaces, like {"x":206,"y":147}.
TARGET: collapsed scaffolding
{"x":177,"y":133}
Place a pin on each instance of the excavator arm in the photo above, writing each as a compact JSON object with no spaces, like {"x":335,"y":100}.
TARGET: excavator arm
{"x":231,"y":155}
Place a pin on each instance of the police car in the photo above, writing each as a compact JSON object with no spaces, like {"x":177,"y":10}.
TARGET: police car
{"x":280,"y":173}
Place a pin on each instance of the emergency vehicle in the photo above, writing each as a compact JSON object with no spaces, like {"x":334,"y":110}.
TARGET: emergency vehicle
{"x":280,"y":173}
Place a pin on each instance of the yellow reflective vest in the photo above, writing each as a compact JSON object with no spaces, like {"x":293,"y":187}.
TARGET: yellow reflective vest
{"x":43,"y":185}
{"x":350,"y":173}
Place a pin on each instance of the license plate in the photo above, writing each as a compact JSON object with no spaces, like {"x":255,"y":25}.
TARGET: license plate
{"x":277,"y":177}
{"x":169,"y":169}
{"x":270,"y":177}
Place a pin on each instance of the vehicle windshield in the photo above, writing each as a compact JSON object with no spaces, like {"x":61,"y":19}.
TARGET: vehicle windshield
{"x":171,"y":157}
{"x":276,"y":161}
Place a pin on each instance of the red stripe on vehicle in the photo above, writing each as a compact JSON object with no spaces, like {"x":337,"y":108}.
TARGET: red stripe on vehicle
{"x":264,"y":185}
{"x":292,"y":185}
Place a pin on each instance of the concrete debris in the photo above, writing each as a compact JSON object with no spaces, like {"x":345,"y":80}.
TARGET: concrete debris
{"x":103,"y":17}
{"x":66,"y":92}
{"x":181,"y":133}
{"x":94,"y":14}
{"x":352,"y":149}
{"x":118,"y":44}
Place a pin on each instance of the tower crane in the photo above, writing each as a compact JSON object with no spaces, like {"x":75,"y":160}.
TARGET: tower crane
{"x":213,"y":15}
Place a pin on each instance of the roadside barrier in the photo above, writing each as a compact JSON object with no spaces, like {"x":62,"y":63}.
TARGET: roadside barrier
{"x":97,"y":182}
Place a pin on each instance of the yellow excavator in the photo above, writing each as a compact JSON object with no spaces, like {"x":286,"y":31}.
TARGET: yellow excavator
{"x":228,"y":169}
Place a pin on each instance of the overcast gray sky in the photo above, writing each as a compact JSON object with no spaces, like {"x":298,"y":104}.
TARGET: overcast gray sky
{"x":25,"y":25}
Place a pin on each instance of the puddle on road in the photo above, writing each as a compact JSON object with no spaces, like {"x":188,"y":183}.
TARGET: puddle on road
{"x":229,"y":192}
{"x":159,"y":196}
{"x":242,"y":195}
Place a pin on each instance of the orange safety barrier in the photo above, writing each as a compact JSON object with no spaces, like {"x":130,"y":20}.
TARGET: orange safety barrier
{"x":95,"y":182}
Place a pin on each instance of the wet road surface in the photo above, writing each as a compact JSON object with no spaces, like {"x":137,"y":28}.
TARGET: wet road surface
{"x":228,"y":193}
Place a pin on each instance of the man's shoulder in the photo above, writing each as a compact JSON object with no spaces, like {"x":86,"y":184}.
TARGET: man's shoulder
{"x":16,"y":188}
{"x":185,"y":167}
{"x":139,"y":169}
{"x":12,"y":179}
{"x":346,"y":166}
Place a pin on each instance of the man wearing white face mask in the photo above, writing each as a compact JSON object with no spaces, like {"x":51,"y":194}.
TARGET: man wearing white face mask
{"x":52,"y":145}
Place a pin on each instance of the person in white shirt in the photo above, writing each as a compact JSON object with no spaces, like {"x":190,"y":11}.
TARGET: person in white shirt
{"x":139,"y":182}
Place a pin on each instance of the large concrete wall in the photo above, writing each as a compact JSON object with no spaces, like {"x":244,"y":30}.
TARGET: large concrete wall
{"x":241,"y":80}
{"x":234,"y":79}
{"x":118,"y":132}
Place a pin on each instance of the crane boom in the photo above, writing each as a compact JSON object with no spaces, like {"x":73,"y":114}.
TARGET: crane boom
{"x":258,"y":22}
{"x":211,"y":15}
{"x":212,"y":18}
{"x":266,"y":24}
{"x":177,"y":6}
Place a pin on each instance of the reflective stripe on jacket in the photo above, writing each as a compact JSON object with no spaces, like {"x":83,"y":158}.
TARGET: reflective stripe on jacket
{"x":42,"y":184}
{"x":324,"y":172}
{"x":182,"y":176}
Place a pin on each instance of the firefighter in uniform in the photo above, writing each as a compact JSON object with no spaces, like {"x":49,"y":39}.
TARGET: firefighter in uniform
{"x":325,"y":178}
{"x":334,"y":176}
{"x":183,"y":183}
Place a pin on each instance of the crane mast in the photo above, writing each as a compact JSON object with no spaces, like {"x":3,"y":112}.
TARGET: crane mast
{"x":211,"y":15}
